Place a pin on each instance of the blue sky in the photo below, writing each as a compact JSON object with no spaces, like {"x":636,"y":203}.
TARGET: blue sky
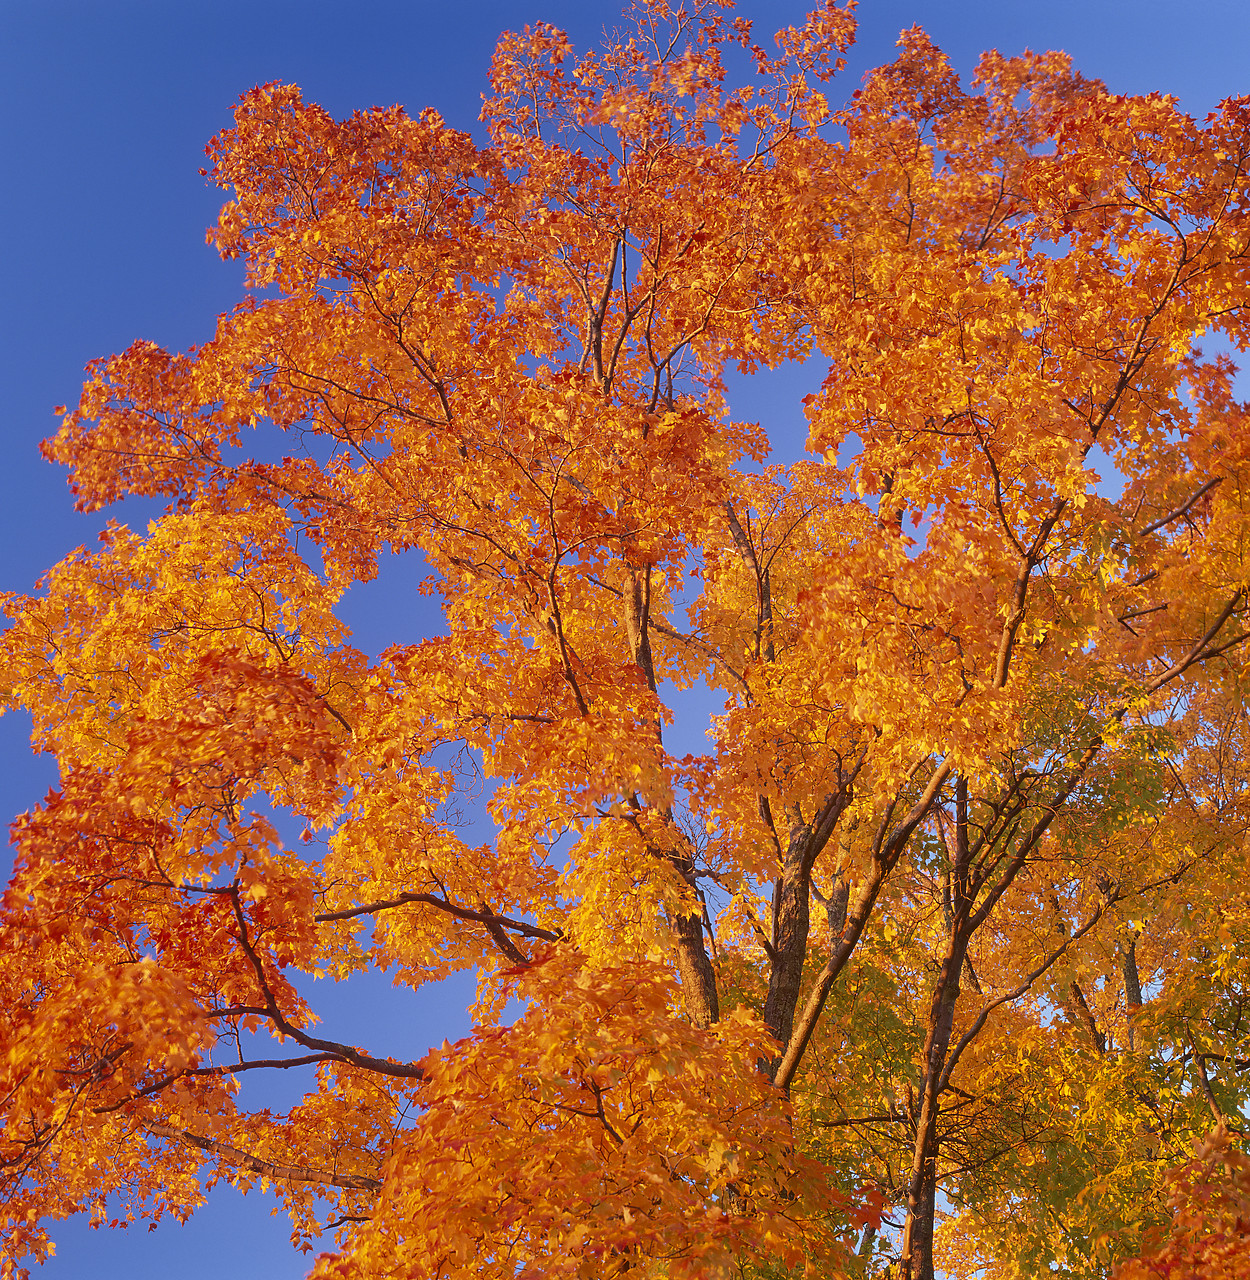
{"x":106,"y":108}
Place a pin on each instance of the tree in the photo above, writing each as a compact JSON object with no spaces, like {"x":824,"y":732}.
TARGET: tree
{"x":1210,"y":1199}
{"x":948,"y":923}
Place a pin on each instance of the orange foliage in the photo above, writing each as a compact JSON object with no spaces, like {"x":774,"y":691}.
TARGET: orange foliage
{"x":1209,"y":1199}
{"x":948,"y":920}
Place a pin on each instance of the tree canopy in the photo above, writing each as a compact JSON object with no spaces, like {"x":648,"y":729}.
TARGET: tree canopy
{"x":936,"y":958}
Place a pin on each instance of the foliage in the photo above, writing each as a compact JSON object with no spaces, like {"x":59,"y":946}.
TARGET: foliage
{"x":935,"y":959}
{"x":1210,"y":1230}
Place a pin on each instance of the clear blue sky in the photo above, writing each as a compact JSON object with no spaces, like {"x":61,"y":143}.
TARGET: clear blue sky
{"x":106,"y":107}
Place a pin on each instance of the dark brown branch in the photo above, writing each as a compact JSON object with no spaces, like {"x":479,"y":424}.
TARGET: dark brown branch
{"x":1216,"y":1110}
{"x":681,"y":637}
{"x":975,"y":1029}
{"x":883,"y":863}
{"x":1086,"y":1015}
{"x":485,"y":916}
{"x":763,"y":587}
{"x":266,"y":1168}
{"x":345,"y":1218}
{"x":227,"y":1069}
{"x":503,"y":942}
{"x":897,"y":1118}
{"x":1197,"y":653}
{"x":1140,"y":613}
{"x":555,"y":624}
{"x":344,"y":1052}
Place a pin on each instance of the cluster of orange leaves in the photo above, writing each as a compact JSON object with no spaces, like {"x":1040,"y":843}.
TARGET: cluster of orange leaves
{"x":509,"y":361}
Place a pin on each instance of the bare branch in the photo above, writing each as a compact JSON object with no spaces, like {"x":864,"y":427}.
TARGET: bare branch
{"x":225,"y":1069}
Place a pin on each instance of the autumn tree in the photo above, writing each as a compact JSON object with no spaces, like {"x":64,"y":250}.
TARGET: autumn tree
{"x":1210,"y":1235}
{"x":935,"y":959}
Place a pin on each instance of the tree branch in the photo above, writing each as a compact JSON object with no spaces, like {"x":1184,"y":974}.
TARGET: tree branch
{"x":266,"y":1168}
{"x":1183,"y":509}
{"x":404,"y":1070}
{"x":973,"y":1031}
{"x":227,"y":1069}
{"x":484,"y":916}
{"x":884,"y":862}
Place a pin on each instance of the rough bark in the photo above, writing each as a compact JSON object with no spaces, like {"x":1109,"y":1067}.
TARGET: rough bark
{"x":835,"y":905}
{"x":1080,"y":1013}
{"x":694,"y":965}
{"x":1132,"y":983}
{"x":791,"y":923}
{"x":791,"y":914}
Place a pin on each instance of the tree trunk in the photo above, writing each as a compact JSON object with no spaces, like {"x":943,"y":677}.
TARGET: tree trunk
{"x":916,"y":1262}
{"x":698,"y":978}
{"x":791,"y":915}
{"x":1132,"y":985}
{"x":922,"y":1224}
{"x":790,"y":925}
